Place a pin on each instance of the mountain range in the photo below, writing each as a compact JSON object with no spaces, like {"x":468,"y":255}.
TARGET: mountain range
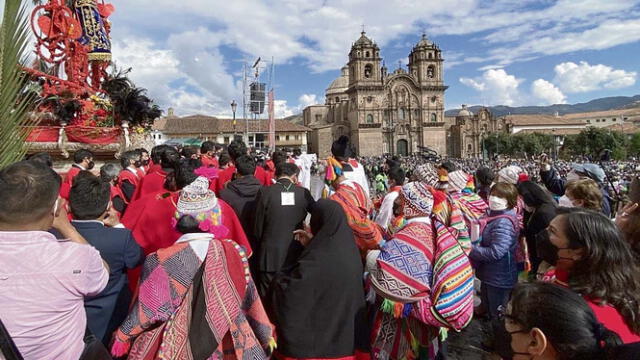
{"x":602,"y":104}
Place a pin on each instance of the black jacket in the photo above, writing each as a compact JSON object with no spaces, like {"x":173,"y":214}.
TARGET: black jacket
{"x":241,"y":195}
{"x":119,"y":249}
{"x":537,"y":222}
{"x":275,"y":223}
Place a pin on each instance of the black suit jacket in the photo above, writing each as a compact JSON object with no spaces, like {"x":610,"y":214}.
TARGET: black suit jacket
{"x":275,"y":223}
{"x":119,"y":249}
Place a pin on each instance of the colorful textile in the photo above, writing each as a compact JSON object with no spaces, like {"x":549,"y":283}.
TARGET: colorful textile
{"x":334,"y":170}
{"x":427,"y":174}
{"x":357,"y":206}
{"x":460,"y":180}
{"x":418,"y":200}
{"x":161,"y":323}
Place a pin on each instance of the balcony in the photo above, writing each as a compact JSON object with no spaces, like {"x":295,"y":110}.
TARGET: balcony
{"x":433,"y":124}
{"x":369,"y":126}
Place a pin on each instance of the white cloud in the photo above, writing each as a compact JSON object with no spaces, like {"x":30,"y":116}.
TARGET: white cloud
{"x":547,"y":93}
{"x":496,"y":87}
{"x":583,"y":77}
{"x":281,"y":109}
{"x":307,"y":99}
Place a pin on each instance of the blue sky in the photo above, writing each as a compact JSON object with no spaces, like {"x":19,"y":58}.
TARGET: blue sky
{"x":189,"y":53}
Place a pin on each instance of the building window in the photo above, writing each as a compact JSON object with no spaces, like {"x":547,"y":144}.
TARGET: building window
{"x":597,"y":120}
{"x":297,"y":137}
{"x":366,"y":54}
{"x":401,"y":113}
{"x":226,"y":140}
{"x":369,"y":119}
{"x":588,"y":121}
{"x":286,"y":137}
{"x":367,"y":70}
{"x":416,"y":114}
{"x":251,"y":138}
{"x":431,"y":72}
{"x":614,"y":119}
{"x":625,"y":119}
{"x":430,"y":55}
{"x":318,"y":117}
{"x":337,"y":99}
{"x":277,"y":137}
{"x":434,"y":117}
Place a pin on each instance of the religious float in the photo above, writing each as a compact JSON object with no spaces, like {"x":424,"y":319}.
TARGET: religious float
{"x":82,"y":99}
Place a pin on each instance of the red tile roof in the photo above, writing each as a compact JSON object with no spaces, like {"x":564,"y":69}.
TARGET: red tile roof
{"x":202,"y":124}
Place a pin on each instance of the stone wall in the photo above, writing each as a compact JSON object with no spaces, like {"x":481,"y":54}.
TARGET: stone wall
{"x":370,"y":142}
{"x":436,"y":139}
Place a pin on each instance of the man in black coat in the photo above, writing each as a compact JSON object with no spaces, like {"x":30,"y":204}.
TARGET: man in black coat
{"x":280,"y":210}
{"x":241,"y":194}
{"x":90,"y":207}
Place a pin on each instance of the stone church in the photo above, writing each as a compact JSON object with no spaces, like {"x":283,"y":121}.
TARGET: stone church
{"x":400,"y":113}
{"x":468,"y":131}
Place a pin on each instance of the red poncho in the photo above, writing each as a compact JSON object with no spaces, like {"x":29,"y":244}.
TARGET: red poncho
{"x":152,"y":183}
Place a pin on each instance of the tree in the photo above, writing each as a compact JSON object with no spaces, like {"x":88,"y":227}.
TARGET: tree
{"x":14,"y":104}
{"x":592,"y":141}
{"x":634,"y":145}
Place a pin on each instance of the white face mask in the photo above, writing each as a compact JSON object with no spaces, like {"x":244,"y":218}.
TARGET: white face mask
{"x":497,"y":204}
{"x":564,"y":201}
{"x":572,"y":176}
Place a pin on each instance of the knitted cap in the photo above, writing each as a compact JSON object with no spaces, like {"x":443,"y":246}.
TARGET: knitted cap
{"x":418,"y":199}
{"x":458,"y":180}
{"x":196,"y":198}
{"x":427,"y":174}
{"x":510,"y":174}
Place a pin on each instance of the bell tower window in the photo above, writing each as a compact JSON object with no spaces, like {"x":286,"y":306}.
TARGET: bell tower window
{"x":430,"y":72}
{"x":367,"y":70}
{"x":434,"y":117}
{"x":366,"y":54}
{"x":430,"y":56}
{"x":369,"y":119}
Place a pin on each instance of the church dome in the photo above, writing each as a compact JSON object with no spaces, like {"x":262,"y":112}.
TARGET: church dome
{"x":340,"y":84}
{"x":465,"y":111}
{"x":363,"y":40}
{"x":424,"y":41}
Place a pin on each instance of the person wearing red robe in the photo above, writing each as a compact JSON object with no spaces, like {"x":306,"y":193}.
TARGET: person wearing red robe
{"x":129,"y":176}
{"x":82,"y":160}
{"x":208,"y":157}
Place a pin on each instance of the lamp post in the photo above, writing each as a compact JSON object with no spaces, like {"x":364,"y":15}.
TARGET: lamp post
{"x":234,"y":106}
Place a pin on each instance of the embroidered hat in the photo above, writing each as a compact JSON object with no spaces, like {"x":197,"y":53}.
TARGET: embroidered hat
{"x":196,"y":197}
{"x":427,"y":174}
{"x":458,"y":180}
{"x":510,"y":174}
{"x":418,"y":200}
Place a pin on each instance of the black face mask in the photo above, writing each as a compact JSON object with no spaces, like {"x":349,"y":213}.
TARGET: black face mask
{"x":502,"y":341}
{"x":546,"y":250}
{"x":91,"y":165}
{"x":145,"y":162}
{"x":137,"y":163}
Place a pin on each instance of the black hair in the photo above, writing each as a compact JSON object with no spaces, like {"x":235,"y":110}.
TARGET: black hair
{"x":82,"y":154}
{"x":41,"y":158}
{"x":535,"y":195}
{"x":287,"y":169}
{"x":108,"y":172}
{"x":297,"y":152}
{"x":564,"y":317}
{"x":236,"y":149}
{"x":28,"y":192}
{"x":157,"y":151}
{"x":127,"y":156}
{"x":184,"y":175}
{"x":449,"y":166}
{"x":484,"y":176}
{"x":224,"y":159}
{"x":142,"y":150}
{"x":392,"y":162}
{"x":187,"y":224}
{"x":207,"y":146}
{"x":245,"y":165}
{"x":169,"y":158}
{"x":89,"y":196}
{"x":396,"y":174}
{"x":607,"y":270}
{"x":278,"y":157}
{"x":188,"y":152}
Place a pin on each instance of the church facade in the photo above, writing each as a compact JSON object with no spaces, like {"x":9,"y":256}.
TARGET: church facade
{"x":398,"y":113}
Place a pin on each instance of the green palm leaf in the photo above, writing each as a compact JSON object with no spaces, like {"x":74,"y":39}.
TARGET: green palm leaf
{"x":14,"y":104}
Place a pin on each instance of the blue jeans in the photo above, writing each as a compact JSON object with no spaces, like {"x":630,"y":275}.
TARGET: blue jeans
{"x":494,"y":297}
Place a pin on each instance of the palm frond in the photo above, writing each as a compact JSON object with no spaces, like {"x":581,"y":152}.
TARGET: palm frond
{"x":15,"y":101}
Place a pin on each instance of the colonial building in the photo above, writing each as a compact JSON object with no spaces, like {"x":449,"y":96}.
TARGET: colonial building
{"x":382,"y":112}
{"x":466,"y":134}
{"x":223,"y":131}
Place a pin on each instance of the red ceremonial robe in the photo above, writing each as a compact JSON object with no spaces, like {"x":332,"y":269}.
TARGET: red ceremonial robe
{"x":65,"y":187}
{"x":151,"y":183}
{"x":226,"y":175}
{"x":150,"y":221}
{"x":209,"y":161}
{"x":116,"y":192}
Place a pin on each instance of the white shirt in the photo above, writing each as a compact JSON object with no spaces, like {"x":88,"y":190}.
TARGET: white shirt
{"x":386,"y":209}
{"x":304,"y":164}
{"x":199,"y":243}
{"x":358,"y":175}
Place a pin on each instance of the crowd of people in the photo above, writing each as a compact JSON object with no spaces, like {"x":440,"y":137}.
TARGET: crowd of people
{"x":219,"y":253}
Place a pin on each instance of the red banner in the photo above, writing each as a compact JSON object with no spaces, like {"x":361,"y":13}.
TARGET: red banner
{"x":93,"y":135}
{"x":44,"y":134}
{"x":272,"y":123}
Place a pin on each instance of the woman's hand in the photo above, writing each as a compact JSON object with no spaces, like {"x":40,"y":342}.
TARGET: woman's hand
{"x":622,"y":218}
{"x":303,"y":237}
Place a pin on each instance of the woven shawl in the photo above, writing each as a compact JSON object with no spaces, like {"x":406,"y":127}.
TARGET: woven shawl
{"x":356,"y":206}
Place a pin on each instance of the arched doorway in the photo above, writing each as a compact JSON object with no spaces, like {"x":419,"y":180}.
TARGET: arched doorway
{"x":402,"y":147}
